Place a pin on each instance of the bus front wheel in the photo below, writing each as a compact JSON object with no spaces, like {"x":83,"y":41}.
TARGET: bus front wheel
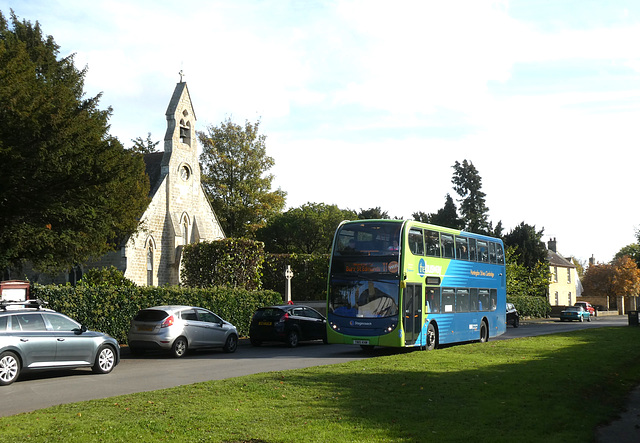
{"x":432,"y":337}
{"x":484,"y":332}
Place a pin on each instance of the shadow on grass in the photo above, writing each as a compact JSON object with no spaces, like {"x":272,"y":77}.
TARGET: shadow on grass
{"x":552,"y":388}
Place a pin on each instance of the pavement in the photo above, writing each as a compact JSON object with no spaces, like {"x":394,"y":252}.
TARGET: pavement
{"x":627,"y":427}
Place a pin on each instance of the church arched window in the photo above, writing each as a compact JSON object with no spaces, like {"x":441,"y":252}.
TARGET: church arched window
{"x":185,"y":230}
{"x":149,"y":263}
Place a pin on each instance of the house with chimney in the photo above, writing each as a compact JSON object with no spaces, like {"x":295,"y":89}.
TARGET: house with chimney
{"x":564,"y":285}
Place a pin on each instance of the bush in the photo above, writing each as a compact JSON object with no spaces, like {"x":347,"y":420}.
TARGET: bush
{"x":233,"y":262}
{"x":108,"y":276}
{"x":530,"y":306}
{"x":110,"y":309}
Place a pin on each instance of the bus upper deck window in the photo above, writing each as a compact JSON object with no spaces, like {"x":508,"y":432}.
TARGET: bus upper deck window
{"x":462,"y":248}
{"x":483,"y":251}
{"x":448,"y":246}
{"x":416,"y":244}
{"x":472,"y":249}
{"x":432,"y":240}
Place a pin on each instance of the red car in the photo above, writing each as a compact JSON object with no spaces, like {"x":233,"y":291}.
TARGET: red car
{"x":587,"y":307}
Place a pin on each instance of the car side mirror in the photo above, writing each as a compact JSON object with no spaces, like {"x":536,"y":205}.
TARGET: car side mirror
{"x":82,"y":329}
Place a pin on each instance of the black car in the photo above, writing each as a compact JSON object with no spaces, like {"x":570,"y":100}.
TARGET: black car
{"x":513,"y":318}
{"x":287,"y":323}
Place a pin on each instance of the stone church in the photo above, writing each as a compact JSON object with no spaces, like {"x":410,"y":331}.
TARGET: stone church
{"x":179,"y":212}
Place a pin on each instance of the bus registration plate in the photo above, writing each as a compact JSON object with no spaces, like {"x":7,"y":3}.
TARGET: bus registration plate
{"x":361,"y":342}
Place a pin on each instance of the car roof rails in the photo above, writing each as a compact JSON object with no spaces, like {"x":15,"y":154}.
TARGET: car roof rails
{"x":37,"y":304}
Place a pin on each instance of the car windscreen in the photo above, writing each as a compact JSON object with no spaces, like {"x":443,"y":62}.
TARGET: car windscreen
{"x":151,"y":315}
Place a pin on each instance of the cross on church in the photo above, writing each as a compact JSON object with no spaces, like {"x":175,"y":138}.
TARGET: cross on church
{"x":181,"y":75}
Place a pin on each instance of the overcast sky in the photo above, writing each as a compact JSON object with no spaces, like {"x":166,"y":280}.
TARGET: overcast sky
{"x":370,"y":103}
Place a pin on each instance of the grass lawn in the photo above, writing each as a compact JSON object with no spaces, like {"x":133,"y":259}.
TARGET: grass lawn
{"x":554,"y":388}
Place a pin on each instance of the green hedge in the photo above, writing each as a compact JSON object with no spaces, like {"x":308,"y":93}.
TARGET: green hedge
{"x":309,"y":280}
{"x":530,"y":306}
{"x":110,"y":309}
{"x":233,"y":262}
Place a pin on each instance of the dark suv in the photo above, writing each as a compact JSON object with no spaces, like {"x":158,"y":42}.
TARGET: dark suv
{"x":287,"y":323}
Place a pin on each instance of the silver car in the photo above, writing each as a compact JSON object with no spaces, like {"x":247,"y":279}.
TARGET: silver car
{"x":34,"y":338}
{"x":179,"y":328}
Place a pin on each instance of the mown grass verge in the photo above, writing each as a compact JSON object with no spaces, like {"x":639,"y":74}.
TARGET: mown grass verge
{"x":554,"y":388}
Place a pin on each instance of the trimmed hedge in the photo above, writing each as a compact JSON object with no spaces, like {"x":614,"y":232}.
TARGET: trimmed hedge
{"x":233,"y":262}
{"x":530,"y":306}
{"x":309,"y":280}
{"x":110,"y":309}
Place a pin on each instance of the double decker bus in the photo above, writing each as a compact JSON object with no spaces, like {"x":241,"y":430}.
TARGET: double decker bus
{"x":402,"y":283}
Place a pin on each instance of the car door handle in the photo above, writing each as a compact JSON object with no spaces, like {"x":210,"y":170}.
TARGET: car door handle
{"x":24,"y":340}
{"x":60,"y":339}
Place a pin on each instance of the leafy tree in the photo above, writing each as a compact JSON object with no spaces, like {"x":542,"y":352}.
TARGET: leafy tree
{"x":467,"y":183}
{"x":108,"y":277}
{"x":446,"y":216}
{"x":620,"y":277}
{"x":69,"y":190}
{"x":525,"y":281}
{"x":144,"y":146}
{"x":626,"y":277}
{"x":632,"y":250}
{"x":529,"y":245}
{"x":308,"y":229}
{"x":373,"y":214}
{"x":235,"y":166}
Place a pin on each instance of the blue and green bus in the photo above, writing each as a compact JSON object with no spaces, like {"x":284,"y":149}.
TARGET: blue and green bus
{"x":403,"y":283}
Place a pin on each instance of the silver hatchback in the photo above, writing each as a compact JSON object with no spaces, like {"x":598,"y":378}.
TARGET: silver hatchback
{"x":179,"y":328}
{"x":38,"y":339}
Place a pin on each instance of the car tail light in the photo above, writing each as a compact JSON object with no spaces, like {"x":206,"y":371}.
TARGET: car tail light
{"x":284,"y":318}
{"x":167,"y":322}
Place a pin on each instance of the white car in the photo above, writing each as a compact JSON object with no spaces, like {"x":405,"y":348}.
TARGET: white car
{"x":180,"y":328}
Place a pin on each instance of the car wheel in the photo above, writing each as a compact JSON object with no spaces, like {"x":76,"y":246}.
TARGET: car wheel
{"x":254,"y":341}
{"x":432,"y":338}
{"x":9,"y":368}
{"x":484,"y":332}
{"x":232,"y":344}
{"x":179,"y":347}
{"x":581,"y":318}
{"x":105,"y":360}
{"x":292,"y":339}
{"x":516,"y":322}
{"x":589,"y":318}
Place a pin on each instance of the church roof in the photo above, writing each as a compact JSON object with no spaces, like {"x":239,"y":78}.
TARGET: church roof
{"x":153,"y":168}
{"x":175,"y":99}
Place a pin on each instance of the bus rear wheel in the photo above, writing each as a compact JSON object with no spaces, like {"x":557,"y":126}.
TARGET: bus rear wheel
{"x":432,"y":338}
{"x":484,"y":332}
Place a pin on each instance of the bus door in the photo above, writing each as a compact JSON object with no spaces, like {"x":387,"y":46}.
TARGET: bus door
{"x":412,"y":318}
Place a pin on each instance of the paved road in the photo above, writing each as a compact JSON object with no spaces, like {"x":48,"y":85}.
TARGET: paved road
{"x":152,"y":372}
